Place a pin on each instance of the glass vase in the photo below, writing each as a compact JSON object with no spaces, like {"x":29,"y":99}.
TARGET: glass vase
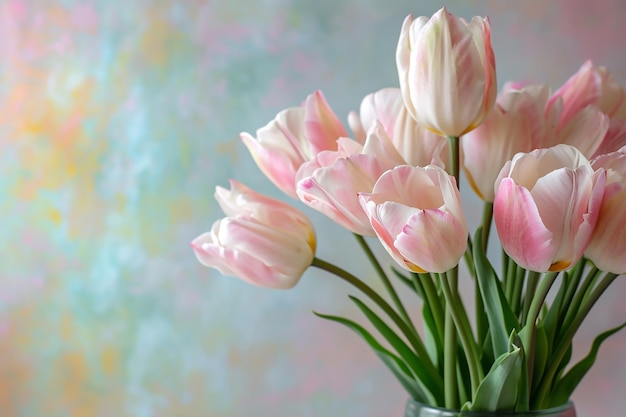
{"x":417,"y":409}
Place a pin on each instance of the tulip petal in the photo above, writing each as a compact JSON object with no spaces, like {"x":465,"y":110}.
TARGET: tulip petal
{"x":585,"y":130}
{"x":232,"y":262}
{"x":522,"y":232}
{"x":556,"y":198}
{"x":432,"y":240}
{"x":607,"y":249}
{"x":333,"y":191}
{"x":383,"y":231}
{"x":322,"y":127}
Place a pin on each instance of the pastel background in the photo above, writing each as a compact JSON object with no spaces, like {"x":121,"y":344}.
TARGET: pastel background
{"x":117,"y":120}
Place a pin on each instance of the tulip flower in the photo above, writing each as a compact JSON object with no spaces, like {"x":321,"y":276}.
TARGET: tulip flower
{"x":424,"y":230}
{"x":516,"y":124}
{"x":591,"y":111}
{"x":417,"y":145}
{"x":262,"y":240}
{"x":331,"y":182}
{"x":591,"y":85}
{"x":447,"y":71}
{"x":546,"y":207}
{"x":294,"y":137}
{"x":607,"y":248}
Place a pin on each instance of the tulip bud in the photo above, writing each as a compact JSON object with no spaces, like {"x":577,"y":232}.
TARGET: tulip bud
{"x":417,"y":145}
{"x":262,"y":240}
{"x":447,"y":71}
{"x":422,"y":231}
{"x":294,"y":137}
{"x":331,"y":182}
{"x":546,"y":207}
{"x":516,"y":124}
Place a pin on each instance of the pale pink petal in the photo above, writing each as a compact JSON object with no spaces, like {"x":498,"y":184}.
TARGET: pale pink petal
{"x":383,"y":106}
{"x":432,"y":240}
{"x":334,"y":190}
{"x":522,"y":232}
{"x":614,"y":139}
{"x":591,"y":212}
{"x":585,"y":130}
{"x":321,"y":125}
{"x":607,"y":249}
{"x":356,"y":125}
{"x":273,"y":163}
{"x":558,"y":200}
{"x":578,"y":92}
{"x":232,"y":262}
{"x":381,"y":230}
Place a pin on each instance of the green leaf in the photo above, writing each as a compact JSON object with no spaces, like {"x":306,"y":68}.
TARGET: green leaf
{"x":499,"y":314}
{"x":542,"y":349}
{"x":553,"y":317}
{"x":498,"y":391}
{"x":566,"y":385}
{"x":429,"y":385}
{"x":434,"y":345}
{"x":564,"y":361}
{"x":395,"y":364}
{"x":526,"y":342}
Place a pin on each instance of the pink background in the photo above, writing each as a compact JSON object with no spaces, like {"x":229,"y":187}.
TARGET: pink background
{"x":120,"y":117}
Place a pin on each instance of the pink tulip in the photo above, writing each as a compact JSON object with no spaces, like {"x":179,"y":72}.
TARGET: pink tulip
{"x":294,"y":137}
{"x":331,"y":182}
{"x":383,"y":106}
{"x":614,"y":139}
{"x":607,"y":248}
{"x":591,"y":109}
{"x":262,"y":240}
{"x":424,"y":230}
{"x":591,"y":85}
{"x":546,"y":206}
{"x":417,"y":145}
{"x":516,"y":124}
{"x":447,"y":71}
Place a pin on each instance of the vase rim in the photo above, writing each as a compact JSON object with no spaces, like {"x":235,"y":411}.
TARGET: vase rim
{"x":545,"y":411}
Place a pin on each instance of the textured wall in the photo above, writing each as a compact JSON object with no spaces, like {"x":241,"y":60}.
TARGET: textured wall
{"x":119,"y":118}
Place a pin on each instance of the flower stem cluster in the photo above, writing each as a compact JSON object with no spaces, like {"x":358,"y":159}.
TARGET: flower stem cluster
{"x":550,"y":168}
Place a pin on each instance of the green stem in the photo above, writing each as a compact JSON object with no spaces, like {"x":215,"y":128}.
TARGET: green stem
{"x":531,"y":287}
{"x":454,"y":168}
{"x":517,"y":290}
{"x":468,"y":255}
{"x":434,"y":302}
{"x":385,"y":280}
{"x":413,"y":339}
{"x":506,"y":260}
{"x":450,"y":389}
{"x":577,"y":301}
{"x":486,"y":223}
{"x":566,"y":339}
{"x":463,"y":327}
{"x":482,"y":321}
{"x":540,"y":296}
{"x":575,"y":275}
{"x":509,"y":280}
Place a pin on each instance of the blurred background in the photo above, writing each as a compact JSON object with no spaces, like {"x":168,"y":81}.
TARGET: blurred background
{"x":118,"y":119}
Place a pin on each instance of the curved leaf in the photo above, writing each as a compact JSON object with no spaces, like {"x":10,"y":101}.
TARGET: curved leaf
{"x":566,"y":385}
{"x":400,"y":370}
{"x":499,"y":314}
{"x":498,"y":391}
{"x":422,"y":374}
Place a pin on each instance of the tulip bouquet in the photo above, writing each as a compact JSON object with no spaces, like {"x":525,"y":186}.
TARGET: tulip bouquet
{"x":550,"y":168}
